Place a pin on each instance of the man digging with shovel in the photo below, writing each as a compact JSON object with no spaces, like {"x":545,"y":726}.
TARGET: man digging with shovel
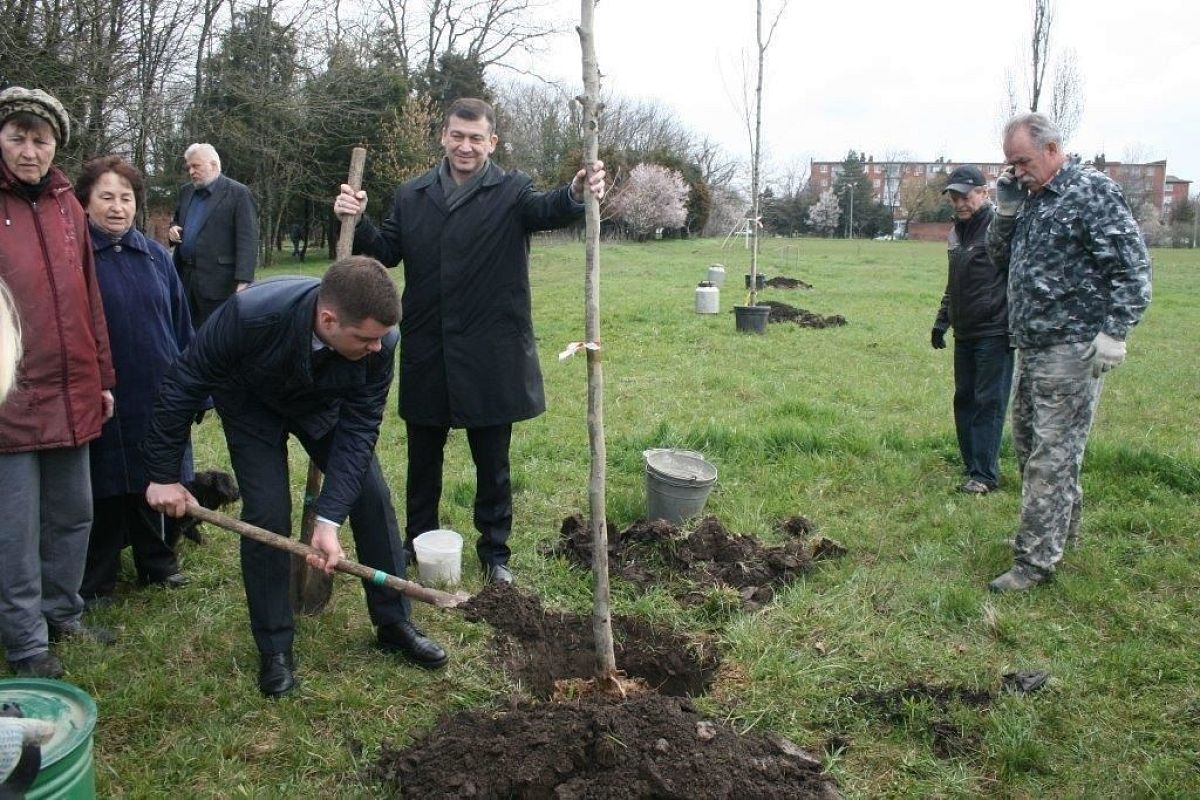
{"x":313,"y":359}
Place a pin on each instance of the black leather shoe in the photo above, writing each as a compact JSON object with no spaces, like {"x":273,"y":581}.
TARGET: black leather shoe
{"x":498,"y":573}
{"x":411,"y":642}
{"x":275,"y":674}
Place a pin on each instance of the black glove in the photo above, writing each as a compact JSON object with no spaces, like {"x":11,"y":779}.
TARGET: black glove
{"x":937,"y":338}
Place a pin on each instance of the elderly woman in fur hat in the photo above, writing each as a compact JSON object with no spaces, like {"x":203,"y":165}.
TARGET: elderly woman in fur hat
{"x":63,"y":392}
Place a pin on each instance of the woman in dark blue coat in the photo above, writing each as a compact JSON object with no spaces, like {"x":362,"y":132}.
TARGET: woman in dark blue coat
{"x":148,"y":327}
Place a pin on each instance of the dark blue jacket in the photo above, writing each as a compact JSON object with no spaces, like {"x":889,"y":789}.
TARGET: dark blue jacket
{"x":254,"y":355}
{"x":148,"y":327}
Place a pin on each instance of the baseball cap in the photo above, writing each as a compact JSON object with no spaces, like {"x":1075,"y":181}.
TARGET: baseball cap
{"x":963,"y":179}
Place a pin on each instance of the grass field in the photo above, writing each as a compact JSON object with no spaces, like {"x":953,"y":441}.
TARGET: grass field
{"x":849,"y":426}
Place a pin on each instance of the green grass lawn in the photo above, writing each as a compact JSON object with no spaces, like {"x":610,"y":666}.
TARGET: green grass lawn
{"x":851,"y":427}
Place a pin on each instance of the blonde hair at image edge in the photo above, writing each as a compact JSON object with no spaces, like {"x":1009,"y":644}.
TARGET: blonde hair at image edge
{"x":10,"y":342}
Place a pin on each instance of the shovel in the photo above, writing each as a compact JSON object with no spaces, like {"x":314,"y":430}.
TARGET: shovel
{"x":300,"y":552}
{"x":312,"y":588}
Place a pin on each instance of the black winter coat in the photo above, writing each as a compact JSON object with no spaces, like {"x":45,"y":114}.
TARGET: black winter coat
{"x":254,"y":355}
{"x":467,"y":353}
{"x":975,"y":302}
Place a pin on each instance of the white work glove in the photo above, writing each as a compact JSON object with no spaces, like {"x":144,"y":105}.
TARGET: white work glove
{"x":14,"y":734}
{"x":1010,"y":194}
{"x":1104,"y":352}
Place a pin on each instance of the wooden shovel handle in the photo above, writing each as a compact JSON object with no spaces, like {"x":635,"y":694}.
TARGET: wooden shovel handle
{"x":345,"y":243}
{"x":416,"y":591}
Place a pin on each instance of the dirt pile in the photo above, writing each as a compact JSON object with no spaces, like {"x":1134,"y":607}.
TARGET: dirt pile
{"x":782,"y":312}
{"x":540,"y":647}
{"x":782,"y":282}
{"x":644,"y":746}
{"x":656,"y":552}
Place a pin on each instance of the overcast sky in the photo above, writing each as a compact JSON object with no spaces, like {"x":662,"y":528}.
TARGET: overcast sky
{"x":923,"y":77}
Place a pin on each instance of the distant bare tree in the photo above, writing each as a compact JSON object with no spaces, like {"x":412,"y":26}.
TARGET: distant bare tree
{"x":1066,"y":102}
{"x":1066,"y":96}
{"x":1039,"y":50}
{"x":487,"y":32}
{"x":754,"y":131}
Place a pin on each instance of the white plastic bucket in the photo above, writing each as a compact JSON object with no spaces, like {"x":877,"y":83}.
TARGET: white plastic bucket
{"x":439,"y":557}
{"x":708,"y":298}
{"x":716,"y":275}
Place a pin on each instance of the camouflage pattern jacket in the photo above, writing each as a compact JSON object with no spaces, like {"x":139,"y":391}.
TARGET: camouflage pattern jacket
{"x":1077,"y":263}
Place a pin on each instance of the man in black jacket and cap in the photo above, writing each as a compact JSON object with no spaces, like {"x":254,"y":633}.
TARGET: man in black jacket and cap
{"x":975,"y":305}
{"x":313,"y":359}
{"x":467,"y":354}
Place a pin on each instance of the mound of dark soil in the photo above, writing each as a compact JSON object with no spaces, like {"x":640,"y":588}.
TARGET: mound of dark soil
{"x":654,"y":552}
{"x":782,"y":282}
{"x":540,"y":647}
{"x":782,"y":312}
{"x":641,"y":747}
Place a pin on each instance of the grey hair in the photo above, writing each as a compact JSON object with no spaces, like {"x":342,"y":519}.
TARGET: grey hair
{"x":204,"y":150}
{"x":1042,"y":129}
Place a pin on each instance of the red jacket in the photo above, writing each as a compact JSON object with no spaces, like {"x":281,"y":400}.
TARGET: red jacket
{"x":46,"y":260}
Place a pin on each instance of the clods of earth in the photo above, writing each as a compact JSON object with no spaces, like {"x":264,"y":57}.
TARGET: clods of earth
{"x":556,"y":740}
{"x":647,"y":745}
{"x":541,"y":649}
{"x":709,"y":558}
{"x":784,"y":282}
{"x":782,"y":312}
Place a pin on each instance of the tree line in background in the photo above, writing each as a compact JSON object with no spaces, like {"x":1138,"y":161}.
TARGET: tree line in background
{"x":285,"y":90}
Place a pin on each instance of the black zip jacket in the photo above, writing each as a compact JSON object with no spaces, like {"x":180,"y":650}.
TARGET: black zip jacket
{"x":975,"y":302}
{"x":255,"y":356}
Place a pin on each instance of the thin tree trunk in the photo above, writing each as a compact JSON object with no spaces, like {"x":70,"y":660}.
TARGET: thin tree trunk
{"x":606,"y":661}
{"x":757,"y":157}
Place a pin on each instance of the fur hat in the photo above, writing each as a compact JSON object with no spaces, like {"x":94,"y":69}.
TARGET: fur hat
{"x":16,"y":99}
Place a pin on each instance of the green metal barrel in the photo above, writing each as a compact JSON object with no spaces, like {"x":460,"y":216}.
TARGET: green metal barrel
{"x":67,"y":771}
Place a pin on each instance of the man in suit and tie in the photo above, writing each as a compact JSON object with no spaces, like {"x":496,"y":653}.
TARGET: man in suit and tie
{"x":215,"y":233}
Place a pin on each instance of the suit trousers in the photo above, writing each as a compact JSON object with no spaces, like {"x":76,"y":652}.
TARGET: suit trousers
{"x":200,"y":307}
{"x":493,"y":486}
{"x":258,"y":450}
{"x":46,"y":513}
{"x":126,"y":519}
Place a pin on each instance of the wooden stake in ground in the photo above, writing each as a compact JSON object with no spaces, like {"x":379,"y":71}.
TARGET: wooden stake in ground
{"x":312,"y":588}
{"x":301,"y":551}
{"x":606,"y":661}
{"x":756,"y":142}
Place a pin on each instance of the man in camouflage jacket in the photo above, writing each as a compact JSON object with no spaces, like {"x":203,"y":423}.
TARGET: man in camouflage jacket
{"x":1078,"y":281}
